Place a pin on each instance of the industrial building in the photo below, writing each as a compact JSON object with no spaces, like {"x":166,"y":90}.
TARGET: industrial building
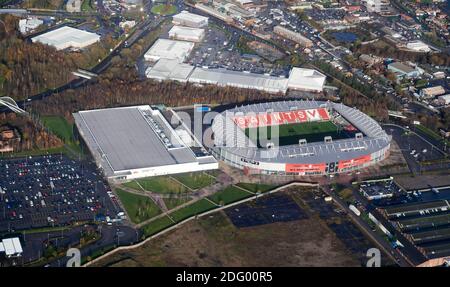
{"x":299,"y":78}
{"x":186,"y":34}
{"x":67,"y":37}
{"x":293,"y":36}
{"x":402,"y":70}
{"x":377,"y":6}
{"x":418,"y":46}
{"x":190,"y":20}
{"x":73,"y":6}
{"x":138,"y":141}
{"x":432,"y":92}
{"x":169,"y":49}
{"x":376,"y":189}
{"x":214,"y":12}
{"x":444,"y":100}
{"x":11,"y":247}
{"x":166,"y":69}
{"x":222,"y":77}
{"x":29,"y":25}
{"x":306,"y":80}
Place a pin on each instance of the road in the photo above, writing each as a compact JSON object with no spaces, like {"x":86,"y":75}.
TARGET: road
{"x":115,"y":235}
{"x":143,"y":29}
{"x":412,"y":256}
{"x":418,"y":142}
{"x":366,"y":229}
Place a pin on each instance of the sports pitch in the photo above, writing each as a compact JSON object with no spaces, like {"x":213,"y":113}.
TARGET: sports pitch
{"x":290,"y":134}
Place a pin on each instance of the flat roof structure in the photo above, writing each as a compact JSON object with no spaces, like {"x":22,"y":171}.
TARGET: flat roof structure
{"x":166,"y":69}
{"x":169,"y":49}
{"x":132,"y":142}
{"x":306,"y":79}
{"x":299,"y":78}
{"x":402,"y":67}
{"x":11,"y":247}
{"x":186,"y":33}
{"x":190,"y":19}
{"x":67,"y":37}
{"x":418,"y":46}
{"x":224,"y":77}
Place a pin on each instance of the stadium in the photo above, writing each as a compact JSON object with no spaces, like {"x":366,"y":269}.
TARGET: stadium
{"x":298,"y":138}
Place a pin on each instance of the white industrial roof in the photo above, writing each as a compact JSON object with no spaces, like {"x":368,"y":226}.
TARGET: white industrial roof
{"x":169,"y":49}
{"x":125,"y":139}
{"x":186,"y":16}
{"x":306,"y":79}
{"x":418,"y":46}
{"x":66,"y":36}
{"x":11,"y":246}
{"x":242,"y":2}
{"x":239,"y":79}
{"x":166,"y":69}
{"x":182,"y":31}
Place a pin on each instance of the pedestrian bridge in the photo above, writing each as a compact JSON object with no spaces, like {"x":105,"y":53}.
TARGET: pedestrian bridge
{"x":11,"y":104}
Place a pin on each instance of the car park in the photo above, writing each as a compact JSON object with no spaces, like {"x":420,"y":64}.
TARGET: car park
{"x":49,"y":190}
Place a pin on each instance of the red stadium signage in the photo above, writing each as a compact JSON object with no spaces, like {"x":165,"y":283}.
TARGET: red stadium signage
{"x":354,"y":162}
{"x":306,"y":168}
{"x":278,"y":118}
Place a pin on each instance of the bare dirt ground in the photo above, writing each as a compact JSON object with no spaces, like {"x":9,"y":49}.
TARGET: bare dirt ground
{"x":214,"y":241}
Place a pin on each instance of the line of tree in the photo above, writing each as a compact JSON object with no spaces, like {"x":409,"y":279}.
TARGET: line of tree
{"x":118,"y":92}
{"x":383,"y":49}
{"x":28,"y":68}
{"x":31,"y":136}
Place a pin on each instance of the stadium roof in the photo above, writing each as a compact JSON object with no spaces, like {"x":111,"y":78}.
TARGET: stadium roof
{"x":306,"y":79}
{"x":124,"y":139}
{"x":66,"y":37}
{"x":166,"y":69}
{"x":228,"y":136}
{"x":169,"y":49}
{"x":239,"y":79}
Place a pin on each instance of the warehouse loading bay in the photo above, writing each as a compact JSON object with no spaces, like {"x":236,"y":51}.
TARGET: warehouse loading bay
{"x":421,"y":216}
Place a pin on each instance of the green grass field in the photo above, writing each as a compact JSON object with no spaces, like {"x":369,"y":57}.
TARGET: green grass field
{"x":256,"y":187}
{"x":193,"y":209}
{"x":229,"y":195}
{"x":138,"y":207}
{"x":59,"y":126}
{"x":156,"y":226}
{"x":87,"y":6}
{"x":171,"y":203}
{"x":158,"y":184}
{"x":431,"y":133}
{"x":289,"y":134}
{"x":164,"y":9}
{"x":133,"y":185}
{"x":194,"y":180}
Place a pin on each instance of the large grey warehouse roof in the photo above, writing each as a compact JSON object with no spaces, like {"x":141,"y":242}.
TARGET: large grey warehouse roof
{"x":239,"y":79}
{"x":123,"y":140}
